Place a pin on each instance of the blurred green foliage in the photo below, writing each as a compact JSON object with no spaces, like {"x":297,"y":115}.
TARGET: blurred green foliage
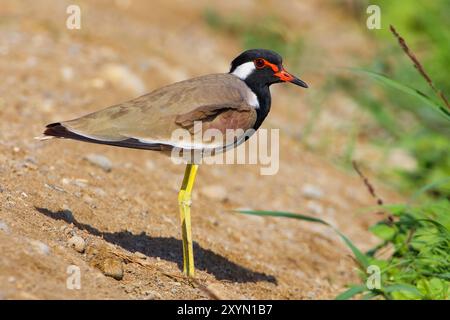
{"x":407,"y":121}
{"x":413,"y":118}
{"x":426,"y":26}
{"x":267,"y":32}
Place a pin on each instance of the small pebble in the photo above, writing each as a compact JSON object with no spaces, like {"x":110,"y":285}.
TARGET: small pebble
{"x":4,"y":227}
{"x":77,"y":243}
{"x":215,"y":192}
{"x":99,"y":192}
{"x":100,"y":161}
{"x":124,"y":77}
{"x":82,"y":183}
{"x":152,"y":295}
{"x":401,"y":159}
{"x":97,"y":83}
{"x":315,"y":207}
{"x":47,"y":105}
{"x":53,"y":187}
{"x":311,"y":191}
{"x":140,"y":255}
{"x":150,"y":165}
{"x":88,"y":199}
{"x":112,"y":268}
{"x":128,"y":165}
{"x":40,"y":247}
{"x":67,"y":73}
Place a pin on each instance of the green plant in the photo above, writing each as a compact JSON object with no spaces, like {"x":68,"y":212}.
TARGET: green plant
{"x":419,"y":95}
{"x":418,"y":266}
{"x":419,"y":239}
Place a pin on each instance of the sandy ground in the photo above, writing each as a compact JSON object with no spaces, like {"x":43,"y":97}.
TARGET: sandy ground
{"x":127,"y":215}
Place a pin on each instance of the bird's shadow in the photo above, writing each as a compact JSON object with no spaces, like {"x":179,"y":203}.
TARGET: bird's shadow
{"x":169,"y":249}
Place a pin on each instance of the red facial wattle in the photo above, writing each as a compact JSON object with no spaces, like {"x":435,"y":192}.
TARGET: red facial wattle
{"x":287,"y":77}
{"x":282,"y":74}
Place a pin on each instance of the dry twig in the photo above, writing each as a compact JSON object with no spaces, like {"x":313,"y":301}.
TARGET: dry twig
{"x":419,"y":66}
{"x":367,"y":183}
{"x":372,"y":192}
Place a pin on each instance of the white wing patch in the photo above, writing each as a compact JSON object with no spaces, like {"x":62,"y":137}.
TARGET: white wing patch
{"x":252,"y":99}
{"x":181,"y":144}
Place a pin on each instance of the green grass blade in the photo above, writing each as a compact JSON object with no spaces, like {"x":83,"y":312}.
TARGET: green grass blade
{"x":429,"y":187}
{"x":360,"y":257}
{"x":402,"y":287}
{"x":352,"y":291}
{"x":284,"y":214}
{"x":438,"y":225}
{"x":406,"y":89}
{"x":445,"y":276}
{"x":370,"y":295}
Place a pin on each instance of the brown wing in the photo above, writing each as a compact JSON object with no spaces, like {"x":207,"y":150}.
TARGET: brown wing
{"x":217,"y":100}
{"x":221,"y":117}
{"x":221,"y":125}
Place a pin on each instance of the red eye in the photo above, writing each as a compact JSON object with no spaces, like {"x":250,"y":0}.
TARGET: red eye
{"x":259,"y":63}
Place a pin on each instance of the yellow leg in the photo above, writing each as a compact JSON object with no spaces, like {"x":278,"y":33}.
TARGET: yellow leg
{"x":184,"y":202}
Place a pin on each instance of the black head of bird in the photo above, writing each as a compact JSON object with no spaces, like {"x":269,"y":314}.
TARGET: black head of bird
{"x":262,"y":67}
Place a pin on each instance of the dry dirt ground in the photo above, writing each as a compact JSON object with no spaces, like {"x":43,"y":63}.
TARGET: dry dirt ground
{"x":128,"y":215}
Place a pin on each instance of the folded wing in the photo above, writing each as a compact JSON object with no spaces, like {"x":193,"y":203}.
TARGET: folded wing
{"x":149,"y":122}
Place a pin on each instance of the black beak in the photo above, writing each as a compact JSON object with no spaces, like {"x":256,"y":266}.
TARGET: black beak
{"x":287,"y":77}
{"x":299,"y":82}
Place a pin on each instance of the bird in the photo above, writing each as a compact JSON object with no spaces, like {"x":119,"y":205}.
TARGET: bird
{"x":239,"y":99}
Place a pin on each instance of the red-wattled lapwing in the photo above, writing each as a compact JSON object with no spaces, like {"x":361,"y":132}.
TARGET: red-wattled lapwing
{"x":239,"y":99}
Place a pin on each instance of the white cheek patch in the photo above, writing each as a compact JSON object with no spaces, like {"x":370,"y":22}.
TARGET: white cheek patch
{"x":244,"y":70}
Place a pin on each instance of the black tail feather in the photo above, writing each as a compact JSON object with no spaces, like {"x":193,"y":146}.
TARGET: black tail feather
{"x":58,"y":130}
